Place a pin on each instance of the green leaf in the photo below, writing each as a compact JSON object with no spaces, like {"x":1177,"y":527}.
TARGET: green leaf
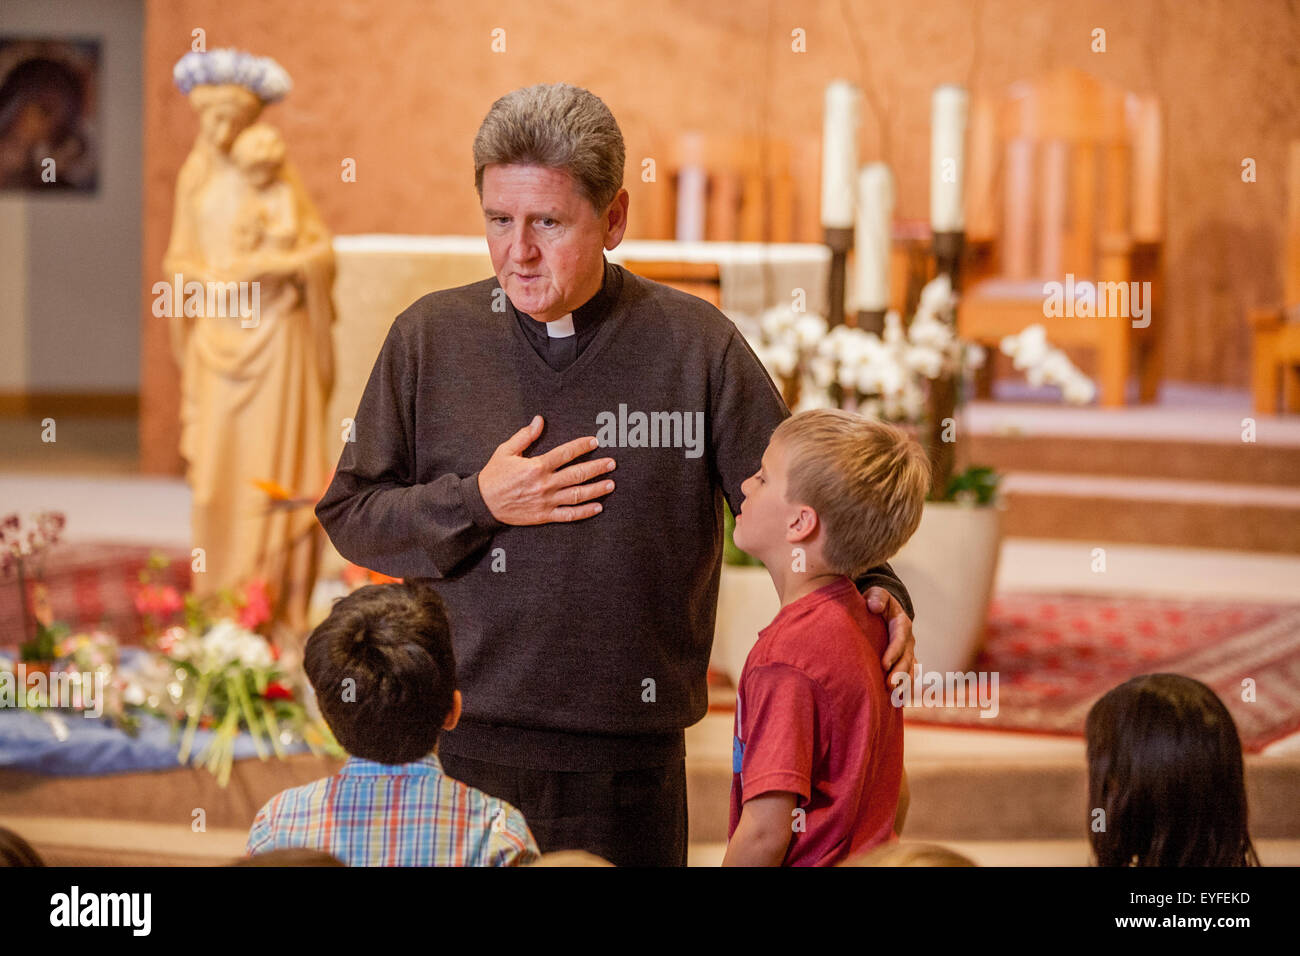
{"x":976,"y":485}
{"x":730,"y":553}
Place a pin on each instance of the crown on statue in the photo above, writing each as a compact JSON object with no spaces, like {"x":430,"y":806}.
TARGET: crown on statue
{"x":260,"y":75}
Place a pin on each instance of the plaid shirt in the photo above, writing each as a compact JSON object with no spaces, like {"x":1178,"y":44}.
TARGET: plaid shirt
{"x":413,"y":814}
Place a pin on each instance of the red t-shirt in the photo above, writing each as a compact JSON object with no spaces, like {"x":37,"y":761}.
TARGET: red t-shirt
{"x":813,"y":717}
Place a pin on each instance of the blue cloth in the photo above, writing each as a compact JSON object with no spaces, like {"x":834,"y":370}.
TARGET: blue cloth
{"x":95,"y":746}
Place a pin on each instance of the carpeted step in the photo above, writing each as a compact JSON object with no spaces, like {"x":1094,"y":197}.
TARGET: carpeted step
{"x":1235,"y":462}
{"x":994,"y":800}
{"x":1104,"y":509}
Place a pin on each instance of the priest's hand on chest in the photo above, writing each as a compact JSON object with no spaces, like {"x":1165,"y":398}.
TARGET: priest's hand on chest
{"x":519,"y":490}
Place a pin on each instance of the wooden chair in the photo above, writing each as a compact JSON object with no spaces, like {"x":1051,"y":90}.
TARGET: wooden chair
{"x":1064,"y":177}
{"x":1277,"y":330}
{"x":748,"y":184}
{"x":748,"y":192}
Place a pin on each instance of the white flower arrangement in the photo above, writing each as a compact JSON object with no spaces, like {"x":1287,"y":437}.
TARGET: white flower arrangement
{"x":887,"y":375}
{"x":258,"y":74}
{"x":227,"y":671}
{"x":228,"y":643}
{"x":884,"y":376}
{"x":1044,"y":365}
{"x":224,"y":643}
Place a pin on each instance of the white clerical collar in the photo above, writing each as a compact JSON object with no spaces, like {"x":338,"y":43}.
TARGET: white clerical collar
{"x":560,"y":328}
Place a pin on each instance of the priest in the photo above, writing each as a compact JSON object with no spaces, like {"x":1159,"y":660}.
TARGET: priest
{"x":579,"y":567}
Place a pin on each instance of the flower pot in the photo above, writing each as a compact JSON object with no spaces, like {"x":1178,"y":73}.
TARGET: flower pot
{"x":949,"y":566}
{"x":747,"y":602}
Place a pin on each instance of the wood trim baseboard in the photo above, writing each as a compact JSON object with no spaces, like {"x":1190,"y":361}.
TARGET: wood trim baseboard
{"x":87,"y":404}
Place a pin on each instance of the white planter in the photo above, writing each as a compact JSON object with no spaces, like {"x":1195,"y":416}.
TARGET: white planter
{"x":948,"y":567}
{"x":747,"y":602}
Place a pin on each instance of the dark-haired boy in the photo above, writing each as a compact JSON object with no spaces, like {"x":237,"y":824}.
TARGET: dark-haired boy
{"x":385,"y":680}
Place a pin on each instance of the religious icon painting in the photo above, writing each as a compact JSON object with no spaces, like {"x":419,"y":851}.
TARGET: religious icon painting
{"x":49,"y":106}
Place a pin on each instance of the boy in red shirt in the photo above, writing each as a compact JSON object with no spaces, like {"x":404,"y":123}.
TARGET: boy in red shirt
{"x":818,"y":750}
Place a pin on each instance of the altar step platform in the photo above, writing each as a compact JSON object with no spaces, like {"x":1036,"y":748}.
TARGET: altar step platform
{"x":1001,"y":798}
{"x":1199,"y":469}
{"x":1019,"y":800}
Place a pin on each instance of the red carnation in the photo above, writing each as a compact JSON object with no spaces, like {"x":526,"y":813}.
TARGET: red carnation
{"x":277,"y":691}
{"x":256,"y":609}
{"x":158,"y":601}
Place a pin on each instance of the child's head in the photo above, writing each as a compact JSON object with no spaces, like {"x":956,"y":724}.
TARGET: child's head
{"x":1164,"y":764}
{"x":858,"y":483}
{"x":383,"y":671}
{"x":15,"y":851}
{"x":289,"y":856}
{"x":259,"y":151}
{"x":897,"y":853}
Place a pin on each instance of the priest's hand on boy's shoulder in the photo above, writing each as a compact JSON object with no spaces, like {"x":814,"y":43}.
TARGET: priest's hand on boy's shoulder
{"x":528,"y":491}
{"x":900,"y":653}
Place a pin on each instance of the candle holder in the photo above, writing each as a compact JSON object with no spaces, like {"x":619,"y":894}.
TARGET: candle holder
{"x":948,"y":248}
{"x":840,"y":241}
{"x":871,"y":320}
{"x":944,"y":390}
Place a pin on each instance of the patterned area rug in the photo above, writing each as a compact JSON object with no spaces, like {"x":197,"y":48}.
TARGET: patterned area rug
{"x":93,"y":585}
{"x":1056,"y":654}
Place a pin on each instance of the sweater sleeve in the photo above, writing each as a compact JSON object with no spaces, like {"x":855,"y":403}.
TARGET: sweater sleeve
{"x":374,"y":511}
{"x":747,"y":407}
{"x":746,"y":410}
{"x":883,"y":576}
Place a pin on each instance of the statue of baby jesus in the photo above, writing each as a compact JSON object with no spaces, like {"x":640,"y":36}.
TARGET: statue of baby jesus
{"x":267,"y":220}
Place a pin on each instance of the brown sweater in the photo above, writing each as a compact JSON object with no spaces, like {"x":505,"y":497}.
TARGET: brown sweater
{"x":583,"y":645}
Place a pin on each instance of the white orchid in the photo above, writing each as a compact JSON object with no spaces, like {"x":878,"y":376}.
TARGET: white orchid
{"x":783,"y":358}
{"x":894,"y":334}
{"x":1044,"y":365}
{"x":911,"y":402}
{"x":812,"y":396}
{"x":888,"y":374}
{"x":929,"y":332}
{"x":776,"y":323}
{"x":1027,"y":349}
{"x":809,"y":330}
{"x":937,"y":298}
{"x":1079,"y":390}
{"x":823,"y":371}
{"x":926,"y":360}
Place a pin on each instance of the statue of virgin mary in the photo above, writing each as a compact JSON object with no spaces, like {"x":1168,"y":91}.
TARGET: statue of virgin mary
{"x":254,"y":380}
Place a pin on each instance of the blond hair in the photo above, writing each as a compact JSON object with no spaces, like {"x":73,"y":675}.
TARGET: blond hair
{"x":909,"y":854}
{"x":866,"y":479}
{"x":563,"y":858}
{"x":559,"y":126}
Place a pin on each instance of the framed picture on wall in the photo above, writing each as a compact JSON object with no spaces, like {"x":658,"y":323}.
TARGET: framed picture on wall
{"x":49,"y":104}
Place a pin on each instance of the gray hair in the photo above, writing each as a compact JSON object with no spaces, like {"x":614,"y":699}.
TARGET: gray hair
{"x":559,"y":126}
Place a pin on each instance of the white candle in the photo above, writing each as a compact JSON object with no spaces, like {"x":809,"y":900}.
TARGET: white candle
{"x":872,"y":236}
{"x":948,"y":110}
{"x":692,"y":189}
{"x":839,"y":153}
